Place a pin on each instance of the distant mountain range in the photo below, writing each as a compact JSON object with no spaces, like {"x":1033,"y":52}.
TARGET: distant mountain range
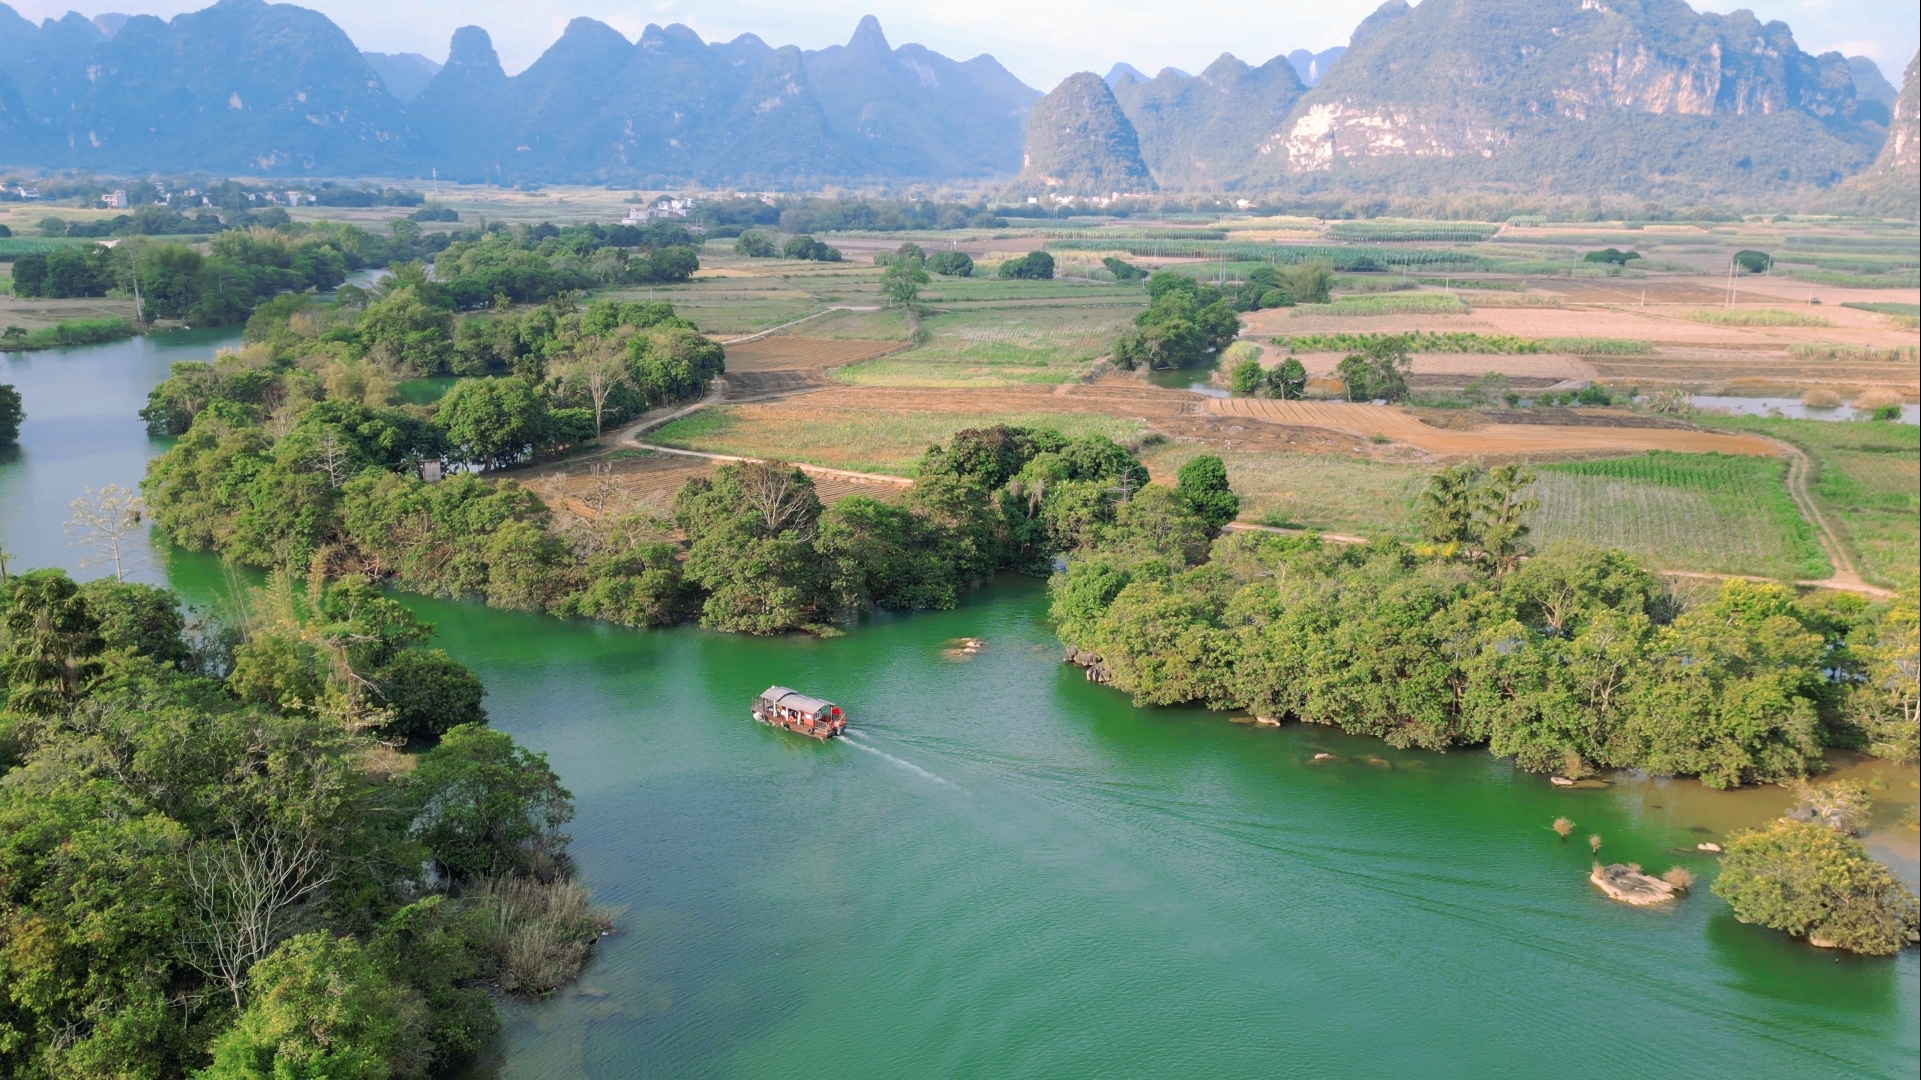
{"x":1561,"y":96}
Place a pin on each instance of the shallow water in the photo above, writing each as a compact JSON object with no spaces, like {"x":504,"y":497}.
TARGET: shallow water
{"x":1790,"y":407}
{"x":1010,"y":872}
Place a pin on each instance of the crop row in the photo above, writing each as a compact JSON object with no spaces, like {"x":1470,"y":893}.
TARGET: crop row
{"x":1391,"y":232}
{"x":1341,"y":257}
{"x":1419,"y":341}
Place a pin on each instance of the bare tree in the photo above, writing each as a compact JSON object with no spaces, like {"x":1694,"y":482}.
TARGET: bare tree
{"x":602,"y":488}
{"x":247,"y":896}
{"x":110,"y":522}
{"x":598,"y":371}
{"x":333,"y":459}
{"x":780,"y":494}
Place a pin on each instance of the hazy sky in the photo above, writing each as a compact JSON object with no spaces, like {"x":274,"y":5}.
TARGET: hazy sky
{"x":1040,"y":42}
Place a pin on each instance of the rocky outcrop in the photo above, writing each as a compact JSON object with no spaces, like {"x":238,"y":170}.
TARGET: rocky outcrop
{"x":1097,"y":669}
{"x":1630,"y":886}
{"x":1079,"y":142}
{"x":1596,"y":94}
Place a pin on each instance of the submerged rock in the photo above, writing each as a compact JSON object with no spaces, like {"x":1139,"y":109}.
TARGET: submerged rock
{"x":1715,"y":848}
{"x":1630,"y":886}
{"x":1097,"y":670}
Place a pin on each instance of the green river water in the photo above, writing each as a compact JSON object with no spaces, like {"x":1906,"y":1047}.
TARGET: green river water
{"x":1007,"y":871}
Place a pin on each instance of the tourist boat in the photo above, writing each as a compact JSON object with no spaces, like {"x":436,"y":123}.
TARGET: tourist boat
{"x":792,"y":710}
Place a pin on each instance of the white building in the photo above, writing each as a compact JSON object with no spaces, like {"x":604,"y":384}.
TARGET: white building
{"x":115,"y":201}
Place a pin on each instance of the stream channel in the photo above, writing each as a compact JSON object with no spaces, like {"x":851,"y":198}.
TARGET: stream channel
{"x":1006,"y":871}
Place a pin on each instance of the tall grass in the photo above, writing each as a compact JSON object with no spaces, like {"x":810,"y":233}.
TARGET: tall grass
{"x":1758,"y":317}
{"x":1386,"y":304}
{"x":66,"y":334}
{"x":1420,"y":341}
{"x":1855,"y":354}
{"x":1599,"y":346}
{"x":537,"y":934}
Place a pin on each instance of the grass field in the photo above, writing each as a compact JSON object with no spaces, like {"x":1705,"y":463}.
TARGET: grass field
{"x":1760,"y":317}
{"x":861,"y":440}
{"x":1709,"y":512}
{"x":1866,"y":483}
{"x":1328,"y":492}
{"x":1417,"y":303}
{"x":1002,"y":344}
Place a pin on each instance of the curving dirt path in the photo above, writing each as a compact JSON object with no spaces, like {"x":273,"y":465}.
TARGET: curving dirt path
{"x":1845,"y":578}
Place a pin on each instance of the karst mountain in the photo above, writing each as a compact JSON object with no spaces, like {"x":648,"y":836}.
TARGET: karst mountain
{"x":1550,"y":96}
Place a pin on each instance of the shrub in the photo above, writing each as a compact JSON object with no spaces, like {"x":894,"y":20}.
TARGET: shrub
{"x":1123,"y":270}
{"x":1810,"y":881}
{"x":755,"y":245}
{"x":1203,"y":483}
{"x":951,"y":264}
{"x":806,"y":247}
{"x":537,"y":935}
{"x":1033,"y":266}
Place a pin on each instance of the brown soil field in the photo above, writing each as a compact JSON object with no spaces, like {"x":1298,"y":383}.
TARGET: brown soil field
{"x":35,"y":313}
{"x":1698,"y":356}
{"x":1489,"y":441}
{"x":779,"y":353}
{"x":652,"y":479}
{"x":1459,"y":367}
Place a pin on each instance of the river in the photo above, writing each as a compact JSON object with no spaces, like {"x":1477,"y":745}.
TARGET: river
{"x":1007,"y":871}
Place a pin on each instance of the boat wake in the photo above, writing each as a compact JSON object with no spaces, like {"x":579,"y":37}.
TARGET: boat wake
{"x":847,"y":737}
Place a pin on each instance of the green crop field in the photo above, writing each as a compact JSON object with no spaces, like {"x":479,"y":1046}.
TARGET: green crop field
{"x":999,"y":345}
{"x":1867,"y":475}
{"x":1761,"y":317}
{"x":1419,"y":341}
{"x":1713,"y":512}
{"x":1599,"y":346}
{"x":1417,"y":303}
{"x":1418,"y":231}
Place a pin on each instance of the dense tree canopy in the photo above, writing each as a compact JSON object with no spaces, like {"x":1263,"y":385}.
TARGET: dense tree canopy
{"x":210,"y":864}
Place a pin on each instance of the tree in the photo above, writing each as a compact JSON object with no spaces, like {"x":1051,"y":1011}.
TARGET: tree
{"x":951,"y":264}
{"x":755,"y":245}
{"x":11,"y":415}
{"x":49,"y":641}
{"x":1035,"y":266}
{"x":1288,"y":380}
{"x":493,"y":422}
{"x":430,"y":693}
{"x":1810,"y":881}
{"x":1248,"y":376}
{"x":599,"y":370}
{"x":110,"y":522}
{"x":323,"y":1009}
{"x":1202,"y":482}
{"x":1887,"y":704}
{"x":1378,"y":371}
{"x":484,"y":807}
{"x":246,"y":893}
{"x":1122,"y":270}
{"x":900,"y":283}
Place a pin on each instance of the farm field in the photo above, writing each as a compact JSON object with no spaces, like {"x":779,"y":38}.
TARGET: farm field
{"x":32,"y":314}
{"x":1867,"y":483}
{"x":1707,"y":512}
{"x":862,"y":440}
{"x":1335,"y":493}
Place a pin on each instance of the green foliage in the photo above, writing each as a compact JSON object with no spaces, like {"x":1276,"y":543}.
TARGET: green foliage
{"x":951,"y":264}
{"x":65,"y":334}
{"x":493,"y":422}
{"x":162,"y":840}
{"x":1202,"y":481}
{"x":900,"y":283}
{"x":1390,"y":232}
{"x":755,"y":244}
{"x":1611,"y":256}
{"x":1753,"y":262}
{"x":1573,"y":656}
{"x":1810,"y":881}
{"x":1033,"y":266}
{"x":1411,"y":303}
{"x":429,"y":693}
{"x":1887,"y":704}
{"x":12,"y":413}
{"x":1418,"y":341}
{"x":1185,"y":322}
{"x":1122,"y":270}
{"x":1378,"y":371}
{"x":807,"y":248}
{"x":486,"y":807}
{"x":322,"y":1007}
{"x":1248,"y":376}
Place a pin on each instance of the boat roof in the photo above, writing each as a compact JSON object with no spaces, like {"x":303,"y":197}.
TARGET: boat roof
{"x":794,"y":699}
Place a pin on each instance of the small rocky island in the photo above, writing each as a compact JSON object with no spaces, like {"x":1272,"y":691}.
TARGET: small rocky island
{"x":1626,"y":883}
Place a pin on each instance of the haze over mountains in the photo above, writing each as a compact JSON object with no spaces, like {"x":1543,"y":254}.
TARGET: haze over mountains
{"x":1564,"y":96}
